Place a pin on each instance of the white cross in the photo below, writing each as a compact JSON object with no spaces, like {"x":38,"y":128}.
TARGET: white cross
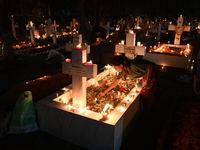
{"x":179,"y":29}
{"x":130,"y":49}
{"x":55,"y":31}
{"x":79,"y":70}
{"x":138,"y":21}
{"x":14,"y":26}
{"x":30,"y":27}
{"x":77,"y":40}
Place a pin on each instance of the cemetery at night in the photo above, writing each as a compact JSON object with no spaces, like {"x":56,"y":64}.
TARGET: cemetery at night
{"x":99,"y":75}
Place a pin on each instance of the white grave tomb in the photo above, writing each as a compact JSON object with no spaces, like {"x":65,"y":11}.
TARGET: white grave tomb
{"x":14,"y":26}
{"x":179,"y":29}
{"x":171,"y":55}
{"x":84,"y":127}
{"x":31,"y":28}
{"x":130,"y":49}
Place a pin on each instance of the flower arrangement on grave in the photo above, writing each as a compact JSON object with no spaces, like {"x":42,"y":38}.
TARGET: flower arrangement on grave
{"x":113,"y":97}
{"x":170,"y":49}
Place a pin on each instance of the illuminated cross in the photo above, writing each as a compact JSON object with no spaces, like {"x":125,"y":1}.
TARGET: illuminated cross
{"x":80,"y":71}
{"x":179,"y":29}
{"x":130,"y":49}
{"x":138,"y":21}
{"x":30,"y":27}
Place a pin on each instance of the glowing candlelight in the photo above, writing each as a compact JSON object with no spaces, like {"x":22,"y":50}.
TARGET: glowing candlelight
{"x":118,"y":94}
{"x":89,"y":63}
{"x":118,"y":54}
{"x":106,"y":107}
{"x":67,"y":60}
{"x":136,"y":87}
{"x":163,"y":67}
{"x":121,"y":109}
{"x":79,"y":47}
{"x":138,"y":43}
{"x":122,"y":42}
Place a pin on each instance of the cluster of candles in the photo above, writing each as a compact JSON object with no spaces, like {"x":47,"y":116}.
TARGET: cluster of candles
{"x":160,"y":48}
{"x":106,"y":112}
{"x":89,"y":63}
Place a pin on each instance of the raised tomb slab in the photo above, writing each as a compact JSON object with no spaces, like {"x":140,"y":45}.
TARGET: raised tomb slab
{"x":171,"y":55}
{"x":84,"y":127}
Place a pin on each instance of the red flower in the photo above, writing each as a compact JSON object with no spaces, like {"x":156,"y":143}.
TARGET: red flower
{"x":72,"y":109}
{"x":122,"y":89}
{"x":103,"y":85}
{"x":90,"y":102}
{"x":89,"y":107}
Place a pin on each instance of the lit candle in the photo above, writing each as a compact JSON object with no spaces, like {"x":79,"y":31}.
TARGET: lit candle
{"x":89,"y":63}
{"x":117,"y":54}
{"x":106,"y":107}
{"x":79,"y":47}
{"x":118,"y":94}
{"x":138,"y":43}
{"x":67,"y":60}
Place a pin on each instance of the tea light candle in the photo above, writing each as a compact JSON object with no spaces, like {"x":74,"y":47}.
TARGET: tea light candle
{"x":79,"y":47}
{"x":138,"y":43}
{"x":67,"y":60}
{"x":89,"y":63}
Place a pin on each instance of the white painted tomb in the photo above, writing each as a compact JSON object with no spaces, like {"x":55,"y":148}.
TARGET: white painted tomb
{"x":84,"y":127}
{"x":180,"y":60}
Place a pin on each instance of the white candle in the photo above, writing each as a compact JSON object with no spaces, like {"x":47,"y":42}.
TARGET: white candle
{"x":89,"y":63}
{"x":67,"y":60}
{"x":79,"y":47}
{"x":138,"y":43}
{"x":106,"y":107}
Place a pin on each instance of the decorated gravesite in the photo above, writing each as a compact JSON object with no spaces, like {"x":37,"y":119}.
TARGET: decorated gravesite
{"x":58,"y":75}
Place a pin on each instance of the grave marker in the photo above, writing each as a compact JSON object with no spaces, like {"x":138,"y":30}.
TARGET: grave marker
{"x":14,"y":26}
{"x":30,"y":27}
{"x":55,"y":32}
{"x":80,"y":71}
{"x":130,"y":49}
{"x":77,"y":40}
{"x":49,"y":27}
{"x":179,"y":29}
